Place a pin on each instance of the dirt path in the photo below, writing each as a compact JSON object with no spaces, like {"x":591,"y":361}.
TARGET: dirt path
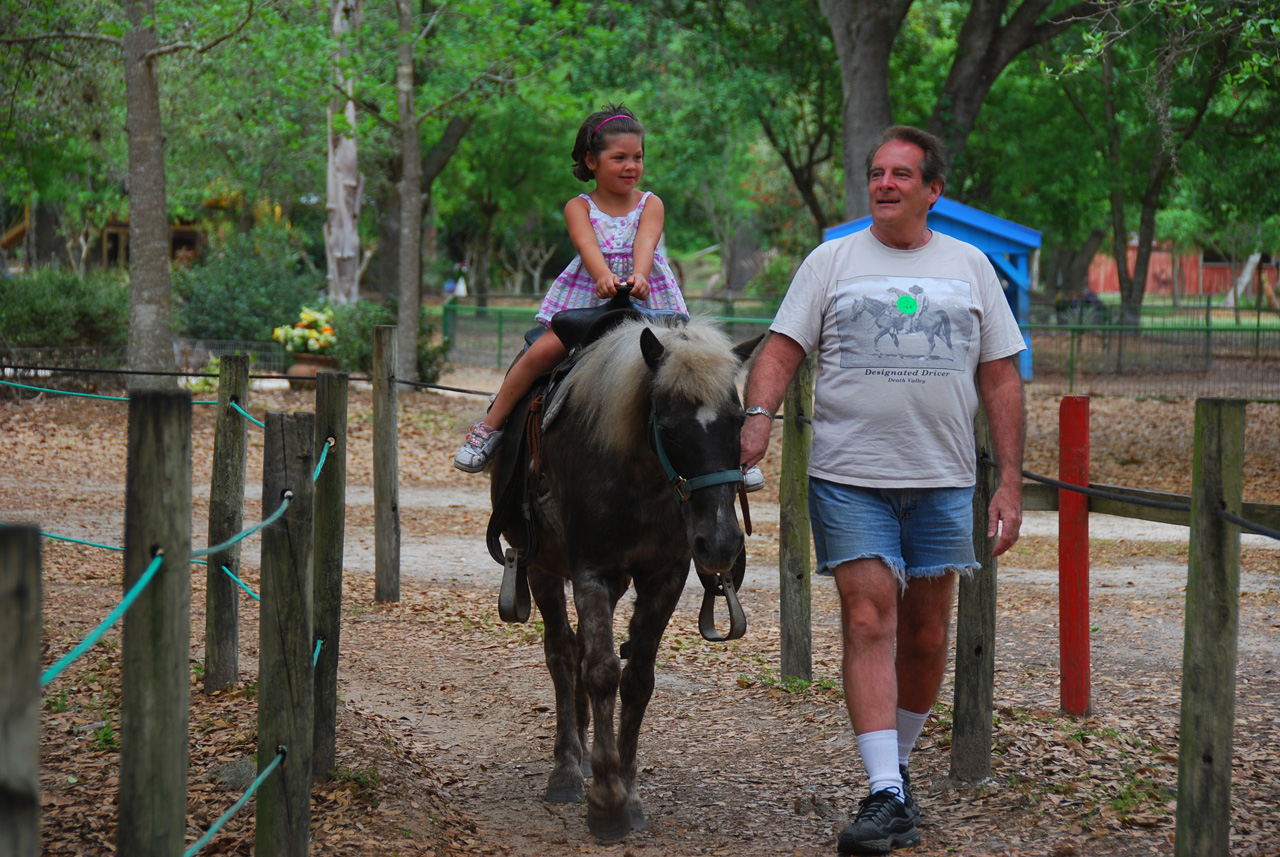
{"x":731,"y":762}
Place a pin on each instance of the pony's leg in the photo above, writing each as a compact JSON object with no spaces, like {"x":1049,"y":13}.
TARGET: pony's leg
{"x":655,"y":602}
{"x":560,"y":649}
{"x":607,"y":816}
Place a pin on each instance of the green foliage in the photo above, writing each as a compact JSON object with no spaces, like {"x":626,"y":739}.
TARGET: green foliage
{"x":53,"y":306}
{"x":433,"y":354}
{"x":353,"y":324}
{"x":245,"y":287}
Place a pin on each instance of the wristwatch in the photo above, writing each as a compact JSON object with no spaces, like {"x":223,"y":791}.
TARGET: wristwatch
{"x":756,"y":409}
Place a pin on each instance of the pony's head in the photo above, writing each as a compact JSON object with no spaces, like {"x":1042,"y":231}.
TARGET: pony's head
{"x":684,"y":375}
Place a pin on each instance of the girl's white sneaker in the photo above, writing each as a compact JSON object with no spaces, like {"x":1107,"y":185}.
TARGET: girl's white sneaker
{"x":478,"y":448}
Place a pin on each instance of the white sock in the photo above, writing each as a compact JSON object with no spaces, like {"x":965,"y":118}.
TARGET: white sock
{"x":880,"y":757}
{"x":910,"y":725}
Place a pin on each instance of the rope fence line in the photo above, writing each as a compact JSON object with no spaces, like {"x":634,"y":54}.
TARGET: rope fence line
{"x":255,"y":596}
{"x":244,"y":534}
{"x":85,"y":370}
{"x":421,"y":385}
{"x":64,"y":392}
{"x":149,"y":576}
{"x":238,"y":805}
{"x":114,"y":616}
{"x":324,"y":453}
{"x":1166,"y":505}
{"x":247,"y":415}
{"x":83,"y":395}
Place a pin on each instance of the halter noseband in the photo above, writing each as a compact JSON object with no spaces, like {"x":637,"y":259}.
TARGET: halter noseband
{"x":686,"y":487}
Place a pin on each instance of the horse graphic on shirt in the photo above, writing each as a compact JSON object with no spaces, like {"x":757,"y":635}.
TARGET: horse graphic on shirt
{"x":892,"y":321}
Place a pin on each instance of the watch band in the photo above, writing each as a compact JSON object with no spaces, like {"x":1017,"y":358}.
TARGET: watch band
{"x":756,"y":409}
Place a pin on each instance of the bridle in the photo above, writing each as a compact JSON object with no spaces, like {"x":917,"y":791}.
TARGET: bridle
{"x":685,"y":487}
{"x":713,"y":584}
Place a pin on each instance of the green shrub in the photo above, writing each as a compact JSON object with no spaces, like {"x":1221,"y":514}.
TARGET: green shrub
{"x":53,"y":306}
{"x":245,"y":287}
{"x":433,"y":355}
{"x":353,"y":325}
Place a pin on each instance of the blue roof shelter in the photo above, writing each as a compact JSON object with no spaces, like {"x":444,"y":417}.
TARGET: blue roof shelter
{"x":1007,"y":244}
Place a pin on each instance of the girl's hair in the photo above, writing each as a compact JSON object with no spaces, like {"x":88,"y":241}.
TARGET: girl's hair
{"x":593,"y":137}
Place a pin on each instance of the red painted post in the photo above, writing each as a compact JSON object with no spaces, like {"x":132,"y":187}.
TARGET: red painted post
{"x":1073,"y":553}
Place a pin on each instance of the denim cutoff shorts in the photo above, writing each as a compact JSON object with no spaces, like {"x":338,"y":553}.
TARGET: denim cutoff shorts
{"x":917,"y":532}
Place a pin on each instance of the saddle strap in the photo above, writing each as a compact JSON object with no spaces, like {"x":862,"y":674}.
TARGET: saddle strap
{"x":746,"y":510}
{"x":533,"y":431}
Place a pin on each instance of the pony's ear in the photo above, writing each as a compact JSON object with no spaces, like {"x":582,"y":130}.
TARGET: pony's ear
{"x":651,"y":348}
{"x":744,"y":350}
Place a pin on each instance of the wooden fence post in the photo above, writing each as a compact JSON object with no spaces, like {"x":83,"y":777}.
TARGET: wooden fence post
{"x":386,"y":467}
{"x":20,"y":691}
{"x":330,"y":508}
{"x":156,"y":674}
{"x":1203,"y":824}
{"x":226,"y":518}
{"x":794,"y":571}
{"x":286,"y":677}
{"x":976,"y":631}
{"x":1073,"y":555}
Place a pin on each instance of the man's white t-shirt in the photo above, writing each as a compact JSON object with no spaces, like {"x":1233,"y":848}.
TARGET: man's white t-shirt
{"x":894,"y":409}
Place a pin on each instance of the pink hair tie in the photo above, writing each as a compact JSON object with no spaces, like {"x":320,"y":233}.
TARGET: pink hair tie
{"x":610,"y":119}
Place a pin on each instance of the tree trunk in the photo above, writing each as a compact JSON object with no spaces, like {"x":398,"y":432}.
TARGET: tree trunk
{"x":150,"y":336}
{"x":433,"y":163}
{"x":1073,"y":264}
{"x":409,"y":273}
{"x":344,"y":183}
{"x":40,"y":244}
{"x":991,"y":38}
{"x":1244,"y":281}
{"x":864,"y":34}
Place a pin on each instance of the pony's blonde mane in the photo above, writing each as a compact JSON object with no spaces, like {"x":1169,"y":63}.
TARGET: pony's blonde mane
{"x":611,"y":386}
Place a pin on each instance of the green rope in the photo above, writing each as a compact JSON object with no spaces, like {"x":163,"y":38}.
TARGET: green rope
{"x":248,"y":416}
{"x":235,"y":807}
{"x":242,"y":584}
{"x":52,"y":672}
{"x":84,"y":395}
{"x":324,"y":453}
{"x":66,"y":392}
{"x":315,"y":658}
{"x":80,"y":541}
{"x":284,"y":504}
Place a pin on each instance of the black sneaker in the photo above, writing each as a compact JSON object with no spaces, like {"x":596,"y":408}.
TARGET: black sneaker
{"x":883,"y":823}
{"x":908,"y":799}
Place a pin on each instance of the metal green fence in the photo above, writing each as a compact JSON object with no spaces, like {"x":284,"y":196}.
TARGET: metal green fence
{"x":1168,"y":361}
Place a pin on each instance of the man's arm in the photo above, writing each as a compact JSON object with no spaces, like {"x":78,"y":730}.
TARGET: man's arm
{"x":1001,"y":387}
{"x":772,"y":371}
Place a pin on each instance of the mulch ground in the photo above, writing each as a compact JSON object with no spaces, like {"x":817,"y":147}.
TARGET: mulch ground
{"x":445,"y":749}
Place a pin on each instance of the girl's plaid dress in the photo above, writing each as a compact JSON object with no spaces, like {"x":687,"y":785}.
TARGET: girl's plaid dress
{"x":617,"y":236}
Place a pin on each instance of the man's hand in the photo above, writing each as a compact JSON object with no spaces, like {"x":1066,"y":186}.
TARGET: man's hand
{"x":1004,"y":516}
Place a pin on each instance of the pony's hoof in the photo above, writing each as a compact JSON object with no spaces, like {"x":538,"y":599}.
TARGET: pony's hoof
{"x":564,"y":788}
{"x":586,"y":768}
{"x":636,"y":810}
{"x":610,"y":828}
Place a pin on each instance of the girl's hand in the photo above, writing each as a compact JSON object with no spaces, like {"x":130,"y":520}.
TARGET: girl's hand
{"x":639,"y":286}
{"x":607,"y":286}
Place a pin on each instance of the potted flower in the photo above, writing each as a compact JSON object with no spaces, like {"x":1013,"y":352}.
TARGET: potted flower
{"x":307,"y":339}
